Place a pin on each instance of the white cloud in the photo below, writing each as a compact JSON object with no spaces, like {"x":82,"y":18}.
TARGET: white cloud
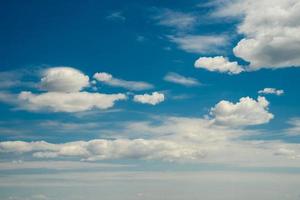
{"x":108,"y":149}
{"x":176,"y":139}
{"x":271,"y":91}
{"x":271,"y":32}
{"x":178,"y":20}
{"x":200,"y":43}
{"x":219,"y":64}
{"x":64,"y":87}
{"x":63,"y":79}
{"x":182,"y":80}
{"x":246,"y":112}
{"x":153,"y":99}
{"x":131,"y":85}
{"x":67,"y":102}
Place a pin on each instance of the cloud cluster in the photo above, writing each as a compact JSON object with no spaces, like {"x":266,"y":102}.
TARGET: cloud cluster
{"x":246,"y":112}
{"x":271,"y":91}
{"x":270,"y":29}
{"x":106,"y":149}
{"x":219,"y":64}
{"x":153,"y":99}
{"x":108,"y":79}
{"x":172,"y":139}
{"x":61,"y":91}
{"x":182,"y":80}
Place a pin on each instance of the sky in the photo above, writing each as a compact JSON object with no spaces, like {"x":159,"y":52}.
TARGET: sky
{"x":152,"y":100}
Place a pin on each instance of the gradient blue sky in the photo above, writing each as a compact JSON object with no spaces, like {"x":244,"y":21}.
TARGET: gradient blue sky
{"x":157,"y":93}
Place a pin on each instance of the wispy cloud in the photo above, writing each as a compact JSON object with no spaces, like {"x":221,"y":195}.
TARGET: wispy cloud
{"x":174,"y":19}
{"x":200,"y":43}
{"x":108,"y":79}
{"x":182,"y":80}
{"x":118,"y":15}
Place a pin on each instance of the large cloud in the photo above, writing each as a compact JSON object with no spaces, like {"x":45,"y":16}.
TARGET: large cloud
{"x":63,"y":79}
{"x":153,"y":99}
{"x":271,"y":31}
{"x":108,"y":79}
{"x":106,"y":149}
{"x":219,"y":64}
{"x":67,"y":102}
{"x":243,"y":113}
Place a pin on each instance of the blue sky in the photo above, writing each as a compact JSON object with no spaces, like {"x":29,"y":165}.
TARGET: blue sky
{"x":130,"y":90}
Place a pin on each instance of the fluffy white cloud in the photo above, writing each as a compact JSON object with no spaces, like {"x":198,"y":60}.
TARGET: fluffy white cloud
{"x":174,"y":19}
{"x":182,"y":80}
{"x":219,"y":64}
{"x":271,"y":29}
{"x":271,"y":91}
{"x":63,"y":79}
{"x":153,"y":99}
{"x":200,"y":43}
{"x":131,"y":85}
{"x":246,"y":112}
{"x":67,"y":102}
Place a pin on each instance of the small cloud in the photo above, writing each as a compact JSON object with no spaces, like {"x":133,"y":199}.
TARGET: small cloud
{"x":140,"y":38}
{"x":271,"y":91}
{"x":182,"y":80}
{"x":179,"y":20}
{"x":219,"y":64}
{"x":108,"y":79}
{"x":117,"y":16}
{"x":153,"y":99}
{"x":200,"y":43}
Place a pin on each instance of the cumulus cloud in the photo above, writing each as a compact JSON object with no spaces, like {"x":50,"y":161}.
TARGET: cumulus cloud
{"x":182,"y":80}
{"x":271,"y":91}
{"x":246,"y":112}
{"x":174,"y":19}
{"x":67,"y":102}
{"x":108,"y":79}
{"x":200,"y":43}
{"x":271,"y":32}
{"x":219,"y":64}
{"x":153,"y":99}
{"x":63,"y":79}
